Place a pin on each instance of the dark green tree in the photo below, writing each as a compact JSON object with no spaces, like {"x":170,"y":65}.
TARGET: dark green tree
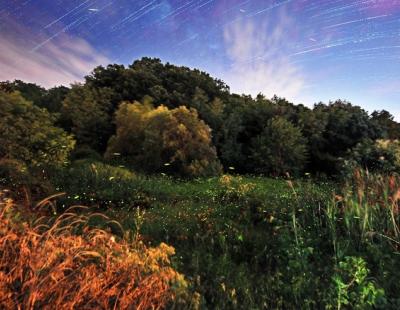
{"x":86,"y":112}
{"x":385,"y":120}
{"x":53,"y":99}
{"x":279,"y":149}
{"x":29,"y":91}
{"x":345,"y":126}
{"x":50,"y":99}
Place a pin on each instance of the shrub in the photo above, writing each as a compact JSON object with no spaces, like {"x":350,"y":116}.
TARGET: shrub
{"x":234,"y":189}
{"x":380,"y":156}
{"x":55,"y":267}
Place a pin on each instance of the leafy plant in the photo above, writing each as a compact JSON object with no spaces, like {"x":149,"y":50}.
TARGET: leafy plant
{"x":352,"y":288}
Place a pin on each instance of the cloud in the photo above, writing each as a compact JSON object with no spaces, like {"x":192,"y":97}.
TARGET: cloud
{"x":64,"y":60}
{"x":258,"y":58}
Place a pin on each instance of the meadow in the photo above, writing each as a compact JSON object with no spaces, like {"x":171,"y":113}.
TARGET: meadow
{"x":152,"y":186}
{"x":247,"y":242}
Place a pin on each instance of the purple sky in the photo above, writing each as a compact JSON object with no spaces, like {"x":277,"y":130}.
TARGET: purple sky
{"x":304,"y":50}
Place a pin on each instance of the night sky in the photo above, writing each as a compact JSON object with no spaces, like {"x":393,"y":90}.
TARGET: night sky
{"x":304,"y":50}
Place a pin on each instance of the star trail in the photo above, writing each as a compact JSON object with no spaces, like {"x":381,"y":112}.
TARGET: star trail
{"x":305,"y":50}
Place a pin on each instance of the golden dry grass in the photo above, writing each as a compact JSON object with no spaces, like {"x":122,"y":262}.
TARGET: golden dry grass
{"x":44,"y":267}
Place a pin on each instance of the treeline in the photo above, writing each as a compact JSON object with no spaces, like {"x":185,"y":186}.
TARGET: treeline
{"x":161,"y":118}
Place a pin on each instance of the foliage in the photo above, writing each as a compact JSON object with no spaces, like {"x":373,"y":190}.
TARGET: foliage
{"x":345,"y":126}
{"x":29,"y":134}
{"x":165,"y":84}
{"x":94,"y":183}
{"x":86,"y":113}
{"x":42,"y":266}
{"x":259,"y":242}
{"x":29,"y":91}
{"x":375,"y":156}
{"x":169,"y":85}
{"x":162,"y":140}
{"x":50,"y":99}
{"x":248,"y":128}
{"x":279,"y":149}
{"x":352,"y":289}
{"x":238,"y":122}
{"x":53,"y":99}
{"x":245,"y":121}
{"x":386,"y":122}
{"x":13,"y":173}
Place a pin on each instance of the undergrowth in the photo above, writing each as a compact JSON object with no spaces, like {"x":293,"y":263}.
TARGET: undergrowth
{"x":242,"y":242}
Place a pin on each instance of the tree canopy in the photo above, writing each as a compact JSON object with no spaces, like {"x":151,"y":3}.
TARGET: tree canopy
{"x":29,"y":134}
{"x":159,"y":139}
{"x":87,"y":113}
{"x":249,"y":135}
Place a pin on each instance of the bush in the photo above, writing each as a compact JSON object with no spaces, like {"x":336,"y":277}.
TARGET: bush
{"x":380,"y":156}
{"x":162,"y":140}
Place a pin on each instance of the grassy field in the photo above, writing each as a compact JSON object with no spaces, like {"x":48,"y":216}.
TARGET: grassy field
{"x":253,"y":242}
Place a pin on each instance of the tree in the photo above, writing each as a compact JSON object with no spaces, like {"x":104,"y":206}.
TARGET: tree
{"x":29,"y":91}
{"x":167,"y":84}
{"x":279,"y":149}
{"x":385,"y":120}
{"x":29,"y":134}
{"x":244,"y":120}
{"x":86,"y":112}
{"x":162,"y":140}
{"x":345,"y":126}
{"x":210,"y":111}
{"x":53,"y":99}
{"x":50,"y":99}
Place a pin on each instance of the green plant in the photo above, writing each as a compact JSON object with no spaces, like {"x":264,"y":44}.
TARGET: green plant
{"x":96,"y":183}
{"x":352,"y":288}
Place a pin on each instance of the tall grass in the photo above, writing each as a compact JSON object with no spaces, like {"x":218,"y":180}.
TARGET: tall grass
{"x":368,"y":209}
{"x":63,"y":263}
